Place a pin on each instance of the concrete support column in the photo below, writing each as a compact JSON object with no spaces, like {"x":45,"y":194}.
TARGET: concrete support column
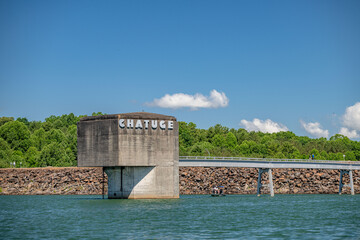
{"x":142,"y":182}
{"x":341,"y":184}
{"x":270,"y":185}
{"x":259,"y":184}
{"x":116,"y":182}
{"x":351,"y":183}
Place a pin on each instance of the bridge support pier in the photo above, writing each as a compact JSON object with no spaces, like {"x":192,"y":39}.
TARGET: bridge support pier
{"x":270,"y":185}
{"x":351,"y":185}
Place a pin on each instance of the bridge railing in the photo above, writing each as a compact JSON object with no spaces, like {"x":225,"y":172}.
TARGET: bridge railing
{"x":263,"y":159}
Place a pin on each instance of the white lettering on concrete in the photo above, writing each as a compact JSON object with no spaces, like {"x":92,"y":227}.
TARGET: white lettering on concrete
{"x":138,"y":124}
{"x":154,"y":124}
{"x":130,"y":123}
{"x":162,"y":125}
{"x":121,"y":123}
{"x":170,"y":125}
{"x":146,"y":123}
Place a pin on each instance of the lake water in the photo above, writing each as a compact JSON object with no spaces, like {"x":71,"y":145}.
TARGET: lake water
{"x":190,"y":217}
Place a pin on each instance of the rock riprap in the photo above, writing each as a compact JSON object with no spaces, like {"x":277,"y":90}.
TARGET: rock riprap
{"x":192,"y":180}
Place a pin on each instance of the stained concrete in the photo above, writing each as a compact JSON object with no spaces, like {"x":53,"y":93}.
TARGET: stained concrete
{"x":141,"y":161}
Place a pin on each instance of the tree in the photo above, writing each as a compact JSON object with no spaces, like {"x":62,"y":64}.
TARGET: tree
{"x":349,"y":155}
{"x":279,"y":155}
{"x":5,"y":154}
{"x":55,"y":135}
{"x":201,"y":149}
{"x":97,"y":114}
{"x":183,"y":151}
{"x":187,"y":133}
{"x":258,"y":150}
{"x":71,"y":138}
{"x":54,"y":142}
{"x":38,"y":138}
{"x":16,"y":134}
{"x":34,"y":125}
{"x":55,"y":155}
{"x":244,"y":148}
{"x":273,"y":147}
{"x":316,"y":153}
{"x":290,"y":151}
{"x":231,"y":140}
{"x":218,"y":141}
{"x":303,"y":140}
{"x":218,"y":129}
{"x":241,"y":135}
{"x":336,"y":137}
{"x":32,"y":157}
{"x":324,"y":155}
{"x":4,"y":120}
{"x":284,"y":136}
{"x":254,"y":136}
{"x":58,"y":124}
{"x":17,"y":157}
{"x":23,"y":120}
{"x":339,"y":156}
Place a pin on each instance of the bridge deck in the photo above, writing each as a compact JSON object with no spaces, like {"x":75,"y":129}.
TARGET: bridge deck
{"x":202,"y":161}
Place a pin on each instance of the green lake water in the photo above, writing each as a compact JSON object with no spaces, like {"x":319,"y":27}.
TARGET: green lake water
{"x":190,"y":217}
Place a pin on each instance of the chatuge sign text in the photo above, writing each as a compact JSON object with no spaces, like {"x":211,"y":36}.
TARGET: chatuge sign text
{"x":146,"y":124}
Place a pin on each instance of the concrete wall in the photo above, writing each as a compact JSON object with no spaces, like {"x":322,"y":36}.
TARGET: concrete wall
{"x":140,"y":153}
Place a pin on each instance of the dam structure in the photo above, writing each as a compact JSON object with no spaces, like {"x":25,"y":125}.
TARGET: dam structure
{"x":138,"y":151}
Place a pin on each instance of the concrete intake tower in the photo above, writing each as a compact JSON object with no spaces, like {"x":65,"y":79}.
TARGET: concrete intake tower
{"x":138,"y":151}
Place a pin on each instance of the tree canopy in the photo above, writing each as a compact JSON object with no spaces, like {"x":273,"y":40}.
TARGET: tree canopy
{"x":53,"y":142}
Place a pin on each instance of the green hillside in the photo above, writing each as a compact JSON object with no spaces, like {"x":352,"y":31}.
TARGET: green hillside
{"x":53,"y":143}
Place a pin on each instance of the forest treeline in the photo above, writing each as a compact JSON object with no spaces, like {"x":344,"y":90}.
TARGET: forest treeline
{"x":54,"y":143}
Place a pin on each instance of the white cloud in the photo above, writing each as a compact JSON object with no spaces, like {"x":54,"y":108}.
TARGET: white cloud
{"x":351,"y":118}
{"x":315,"y":129}
{"x":349,"y":133}
{"x":181,"y":100}
{"x":266,"y":126}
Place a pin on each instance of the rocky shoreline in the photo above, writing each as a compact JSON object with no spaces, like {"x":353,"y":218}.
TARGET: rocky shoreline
{"x":51,"y":181}
{"x":244,"y":180}
{"x":192,"y":180}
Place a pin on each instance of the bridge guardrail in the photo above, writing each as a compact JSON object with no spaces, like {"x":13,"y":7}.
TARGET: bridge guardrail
{"x":265,"y":159}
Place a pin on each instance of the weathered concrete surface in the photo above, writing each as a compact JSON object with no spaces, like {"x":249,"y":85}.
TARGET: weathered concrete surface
{"x":102,"y":143}
{"x":33,"y":181}
{"x":140,"y":153}
{"x":137,"y":182}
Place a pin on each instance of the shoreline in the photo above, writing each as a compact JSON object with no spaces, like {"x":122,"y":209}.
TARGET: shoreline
{"x":192,"y":181}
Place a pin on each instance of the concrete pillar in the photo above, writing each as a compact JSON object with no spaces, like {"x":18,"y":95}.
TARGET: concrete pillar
{"x":270,"y":185}
{"x":141,"y":182}
{"x":138,"y":151}
{"x":259,"y":184}
{"x":341,"y":183}
{"x":351,"y":182}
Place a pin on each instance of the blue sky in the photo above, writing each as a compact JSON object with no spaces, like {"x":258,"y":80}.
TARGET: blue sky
{"x":286,"y":63}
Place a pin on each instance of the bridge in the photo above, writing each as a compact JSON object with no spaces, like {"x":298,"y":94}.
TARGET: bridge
{"x":266,"y":164}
